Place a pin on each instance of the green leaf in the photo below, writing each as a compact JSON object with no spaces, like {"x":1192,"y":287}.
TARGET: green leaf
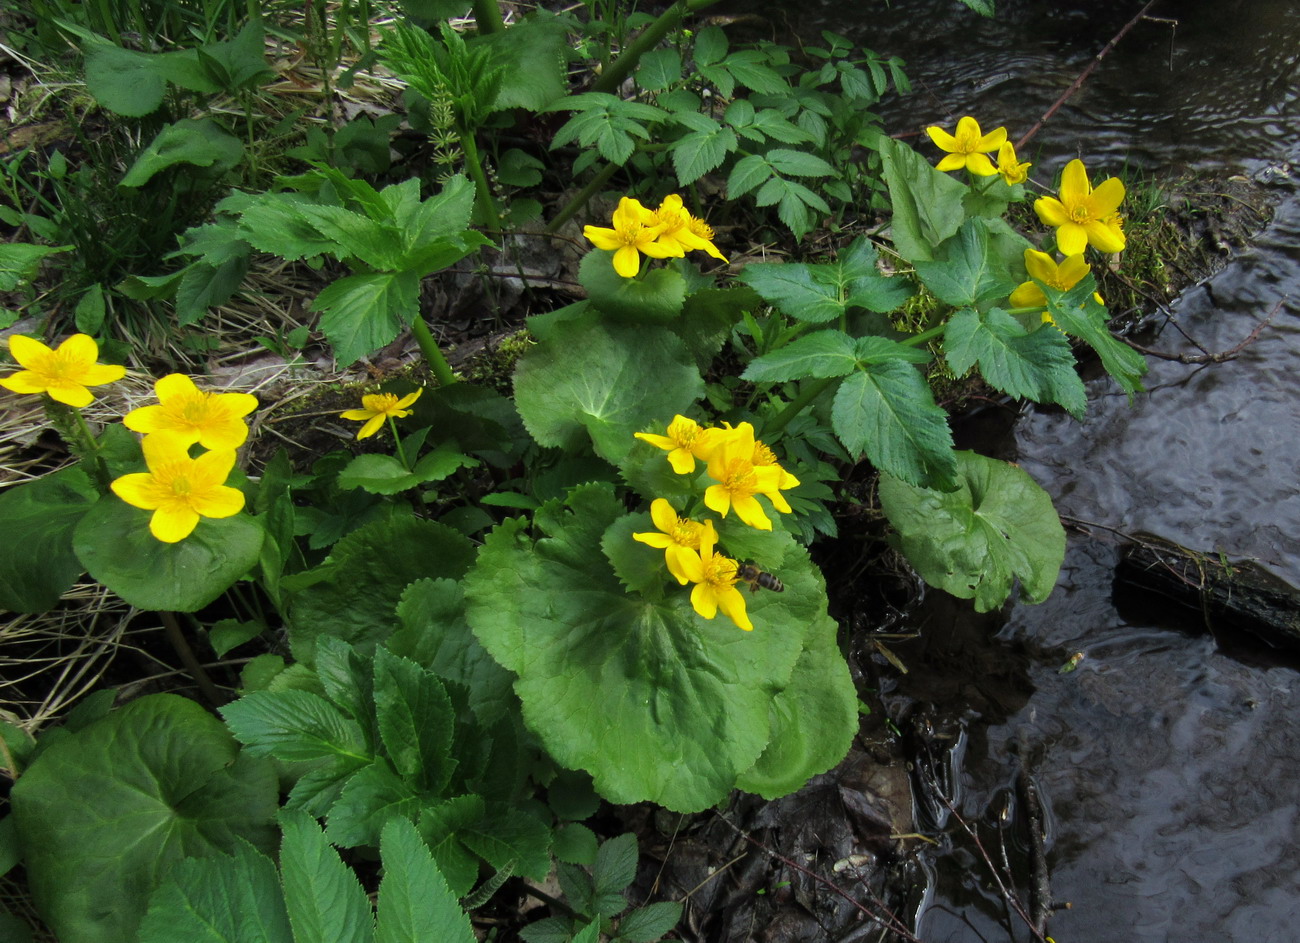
{"x":415,"y":903}
{"x":369,"y":798}
{"x":888,"y":411}
{"x":231,"y":633}
{"x":615,"y":866}
{"x":969,"y":275}
{"x":1078,"y":314}
{"x":90,"y":311}
{"x":927,"y":204}
{"x":19,"y":262}
{"x":199,"y":142}
{"x":826,"y":353}
{"x":748,"y":173}
{"x":271,"y":223}
{"x":114,"y":544}
{"x":655,"y":298}
{"x":354,"y":235}
{"x":507,"y":837}
{"x":440,"y":825}
{"x":824,"y":292}
{"x":37,"y":563}
{"x":606,"y":381}
{"x":384,"y":474}
{"x":651,"y":922}
{"x":295,"y":726}
{"x":702,"y":151}
{"x":655,"y":702}
{"x":221,"y":899}
{"x":536,"y":49}
{"x":364,"y":578}
{"x":168,"y":783}
{"x":749,"y":67}
{"x":997,"y":527}
{"x":361,"y":313}
{"x":323,"y":896}
{"x":125,"y":82}
{"x":416,"y":721}
{"x":710,"y":46}
{"x":659,"y":69}
{"x":1036,"y":365}
{"x":798,"y":163}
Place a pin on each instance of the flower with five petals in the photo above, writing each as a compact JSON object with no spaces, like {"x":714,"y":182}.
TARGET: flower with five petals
{"x":63,"y":373}
{"x":714,"y":576}
{"x":213,"y":420}
{"x":376,"y":407}
{"x":685,"y":442}
{"x":1084,"y":216}
{"x":731,"y":465}
{"x":1063,"y":276}
{"x":179,"y":489}
{"x":1012,"y":170}
{"x":634,"y":232}
{"x":680,"y":538}
{"x":683,"y":230}
{"x":968,"y":147}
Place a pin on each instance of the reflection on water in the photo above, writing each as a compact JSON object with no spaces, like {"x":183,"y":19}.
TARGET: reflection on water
{"x":1168,"y":768}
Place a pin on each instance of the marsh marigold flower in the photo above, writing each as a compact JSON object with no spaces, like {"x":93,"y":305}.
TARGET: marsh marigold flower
{"x":63,"y":373}
{"x":179,"y":489}
{"x":731,"y":465}
{"x":685,"y":442}
{"x":714,"y":576}
{"x":376,"y":407}
{"x":680,"y":537}
{"x":682,"y":230}
{"x":635,"y":231}
{"x":968,"y":147}
{"x":1083,"y":216}
{"x":1062,"y":277}
{"x":1012,"y":170}
{"x":213,"y":420}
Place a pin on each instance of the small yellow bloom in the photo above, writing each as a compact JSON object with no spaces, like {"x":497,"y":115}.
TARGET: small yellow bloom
{"x":714,"y":576}
{"x":63,"y":373}
{"x":732,"y":465}
{"x":1084,"y":216}
{"x":213,"y":420}
{"x":1012,"y":170}
{"x":764,"y":457}
{"x":376,"y":407}
{"x":685,"y":442}
{"x":680,"y":538}
{"x":635,"y":231}
{"x":968,"y":147}
{"x":179,"y":489}
{"x":1062,"y":277}
{"x":682,"y":230}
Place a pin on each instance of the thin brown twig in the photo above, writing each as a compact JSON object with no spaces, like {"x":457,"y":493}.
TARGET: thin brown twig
{"x":1221,"y":356}
{"x":1083,"y":76}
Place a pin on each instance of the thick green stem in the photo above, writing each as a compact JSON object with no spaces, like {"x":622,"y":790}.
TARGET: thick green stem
{"x":627,"y":61}
{"x":483,"y":193}
{"x":432,"y":352}
{"x":797,"y":405}
{"x":487,"y":16}
{"x":71,"y":425}
{"x":397,"y":441}
{"x":177,"y":638}
{"x":586,"y":193}
{"x":929,"y":334}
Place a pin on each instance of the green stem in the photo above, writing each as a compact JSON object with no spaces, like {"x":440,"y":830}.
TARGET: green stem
{"x":586,"y":193}
{"x":177,"y":638}
{"x":397,"y":441}
{"x":483,"y":193}
{"x":627,"y":60}
{"x":432,"y":352}
{"x":797,"y":405}
{"x":926,"y":335}
{"x":487,"y":16}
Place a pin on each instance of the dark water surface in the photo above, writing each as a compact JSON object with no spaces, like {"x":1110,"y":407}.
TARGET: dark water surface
{"x":1170,"y":769}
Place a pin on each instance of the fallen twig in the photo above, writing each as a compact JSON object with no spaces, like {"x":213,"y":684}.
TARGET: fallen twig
{"x":1220,"y":356}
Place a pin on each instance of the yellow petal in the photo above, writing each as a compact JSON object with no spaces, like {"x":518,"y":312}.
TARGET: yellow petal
{"x":703,"y":600}
{"x":968,"y":129}
{"x":750,"y":511}
{"x":678,"y":559}
{"x":627,"y":261}
{"x":1051,"y":211}
{"x":1074,"y":184}
{"x":357,"y":415}
{"x":682,"y":461}
{"x":1103,"y":238}
{"x":27,"y":349}
{"x":80,"y":348}
{"x":220,"y":502}
{"x":173,"y":524}
{"x":663,"y":515}
{"x":691,"y":565}
{"x":1027,"y":295}
{"x":138,"y":490}
{"x":1040,"y":265}
{"x":732,"y":603}
{"x":717,"y":498}
{"x":98,"y":374}
{"x":409,"y":398}
{"x":980,"y":165}
{"x":993,"y":140}
{"x":1073,"y":269}
{"x":602,"y":238}
{"x":175,"y":386}
{"x":145,"y":419}
{"x":951,"y":162}
{"x":24,"y":381}
{"x":73,"y":394}
{"x":942,"y":139}
{"x":371,"y":427}
{"x":1107,"y":197}
{"x":214,"y":467}
{"x":651,"y":539}
{"x":164,"y":448}
{"x":1071,"y":239}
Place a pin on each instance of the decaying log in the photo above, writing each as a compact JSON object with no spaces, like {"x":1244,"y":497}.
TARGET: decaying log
{"x":1229,"y":594}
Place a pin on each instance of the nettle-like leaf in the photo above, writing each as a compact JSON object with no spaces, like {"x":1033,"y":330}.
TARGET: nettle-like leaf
{"x":927,"y":204}
{"x":37,"y":563}
{"x":606,"y":122}
{"x":822,"y":292}
{"x":999,"y":526}
{"x":1080,"y":315}
{"x":655,"y":702}
{"x":970,"y":274}
{"x":324,"y":899}
{"x":167,"y":782}
{"x":599,"y":382}
{"x":114,"y":544}
{"x":1034,"y":364}
{"x":362,"y":313}
{"x":703,"y":149}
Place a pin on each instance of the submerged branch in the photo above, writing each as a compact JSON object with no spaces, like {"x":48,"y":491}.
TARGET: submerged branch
{"x":1220,"y":356}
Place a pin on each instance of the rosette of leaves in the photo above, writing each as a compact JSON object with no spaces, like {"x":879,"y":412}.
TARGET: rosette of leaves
{"x":618,"y":676}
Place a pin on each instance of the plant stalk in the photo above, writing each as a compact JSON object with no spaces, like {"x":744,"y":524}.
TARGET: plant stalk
{"x":397,"y":441}
{"x":177,"y":638}
{"x":483,"y":193}
{"x":580,"y":200}
{"x":627,"y":60}
{"x":432,"y":352}
{"x":487,"y":16}
{"x":797,"y":405}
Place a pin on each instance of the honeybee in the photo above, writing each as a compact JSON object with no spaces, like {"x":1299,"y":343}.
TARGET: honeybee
{"x":757,"y":577}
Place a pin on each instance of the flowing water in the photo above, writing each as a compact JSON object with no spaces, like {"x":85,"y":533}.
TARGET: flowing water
{"x":1168,"y":761}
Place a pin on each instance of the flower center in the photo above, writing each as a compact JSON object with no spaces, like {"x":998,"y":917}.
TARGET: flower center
{"x":195,"y":409}
{"x":700,"y":228}
{"x":720,"y":571}
{"x":686,"y":533}
{"x":763,"y":455}
{"x":631,"y":233}
{"x":1080,"y":214}
{"x":739,"y":477}
{"x":181,"y":485}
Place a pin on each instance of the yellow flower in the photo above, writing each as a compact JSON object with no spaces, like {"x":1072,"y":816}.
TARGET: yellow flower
{"x":63,"y":373}
{"x":732,"y":465}
{"x":714,"y":576}
{"x":682,"y":230}
{"x":1012,"y":170}
{"x":764,"y":456}
{"x":686,"y":441}
{"x":968,"y":147}
{"x":1062,"y":277}
{"x":376,"y":407}
{"x":214,"y":420}
{"x":634,"y":232}
{"x":1083,"y":216}
{"x":179,"y":489}
{"x":680,"y":538}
